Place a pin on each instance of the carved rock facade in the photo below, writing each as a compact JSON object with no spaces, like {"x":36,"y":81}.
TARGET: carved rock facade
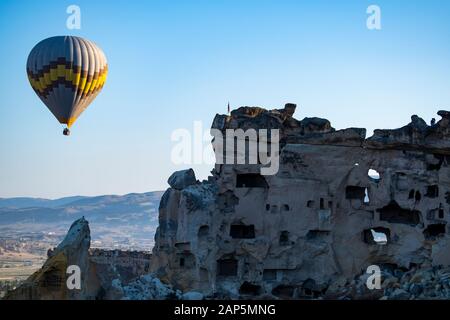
{"x":338,"y":204}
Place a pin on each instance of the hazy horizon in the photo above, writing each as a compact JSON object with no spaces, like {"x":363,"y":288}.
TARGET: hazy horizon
{"x":81,"y":195}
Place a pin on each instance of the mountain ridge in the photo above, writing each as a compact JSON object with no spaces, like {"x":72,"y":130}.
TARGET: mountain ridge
{"x":37,"y":202}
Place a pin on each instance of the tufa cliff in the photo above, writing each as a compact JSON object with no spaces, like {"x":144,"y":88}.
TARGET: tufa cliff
{"x":338,"y":204}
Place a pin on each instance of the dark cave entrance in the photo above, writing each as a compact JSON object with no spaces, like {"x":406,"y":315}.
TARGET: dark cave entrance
{"x":355,"y":192}
{"x":393,"y":213}
{"x":432,"y":191}
{"x":284,"y":238}
{"x":317,"y":235}
{"x":186,"y":260}
{"x":227,"y":267}
{"x":434,"y":230}
{"x":203,"y":231}
{"x":248,"y":288}
{"x":240,"y":231}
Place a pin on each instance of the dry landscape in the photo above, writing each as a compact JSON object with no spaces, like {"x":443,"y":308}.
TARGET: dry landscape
{"x":29,"y":227}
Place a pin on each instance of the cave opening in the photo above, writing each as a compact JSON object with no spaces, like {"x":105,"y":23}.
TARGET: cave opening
{"x":374,"y":175}
{"x":186,"y":260}
{"x":310,"y":289}
{"x":355,"y":192}
{"x":366,"y":196}
{"x":322,"y":204}
{"x":203,"y":231}
{"x":241,"y":231}
{"x":393,"y":213}
{"x":317,"y":234}
{"x":414,"y":194}
{"x":227,"y":267}
{"x":438,"y":165}
{"x":433,"y":231}
{"x":284,"y":238}
{"x":248,"y":288}
{"x":378,"y":235}
{"x":432,"y":191}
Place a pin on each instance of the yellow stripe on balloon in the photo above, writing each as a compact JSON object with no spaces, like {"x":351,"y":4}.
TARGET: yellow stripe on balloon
{"x":53,"y":74}
{"x":67,"y":74}
{"x":61,"y":70}
{"x":76,"y":79}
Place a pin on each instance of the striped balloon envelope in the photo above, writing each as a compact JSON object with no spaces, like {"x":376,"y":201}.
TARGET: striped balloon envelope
{"x":67,"y":73}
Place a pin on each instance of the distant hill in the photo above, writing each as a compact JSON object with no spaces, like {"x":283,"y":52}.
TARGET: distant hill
{"x":23,"y":202}
{"x":127,"y":221}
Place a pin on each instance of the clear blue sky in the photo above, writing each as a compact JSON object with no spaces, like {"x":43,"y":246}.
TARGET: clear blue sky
{"x":173,"y":62}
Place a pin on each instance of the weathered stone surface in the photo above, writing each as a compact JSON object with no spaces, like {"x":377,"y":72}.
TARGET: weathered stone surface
{"x":308,"y":231}
{"x":50,"y":281}
{"x":417,"y":135}
{"x":182,"y":179}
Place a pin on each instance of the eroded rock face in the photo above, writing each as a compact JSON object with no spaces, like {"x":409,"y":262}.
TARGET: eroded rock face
{"x":49,"y":283}
{"x":416,"y":135}
{"x":105,"y":274}
{"x":338,"y":204}
{"x":182,"y":179}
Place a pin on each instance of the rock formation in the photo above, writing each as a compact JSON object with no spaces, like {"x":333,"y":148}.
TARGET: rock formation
{"x":105,"y":274}
{"x":338,"y":204}
{"x":50,"y":282}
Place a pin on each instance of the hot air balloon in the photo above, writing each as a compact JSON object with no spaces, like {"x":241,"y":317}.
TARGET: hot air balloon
{"x":67,"y":73}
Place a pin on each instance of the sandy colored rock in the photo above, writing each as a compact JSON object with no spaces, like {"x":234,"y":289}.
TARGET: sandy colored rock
{"x":298,"y":232}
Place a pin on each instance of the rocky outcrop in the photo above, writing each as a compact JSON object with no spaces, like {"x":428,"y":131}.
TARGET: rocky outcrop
{"x":338,"y":204}
{"x":104,"y":274}
{"x":182,"y":179}
{"x":146,"y":287}
{"x":50,"y":282}
{"x":397,"y":284}
{"x":416,"y":135}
